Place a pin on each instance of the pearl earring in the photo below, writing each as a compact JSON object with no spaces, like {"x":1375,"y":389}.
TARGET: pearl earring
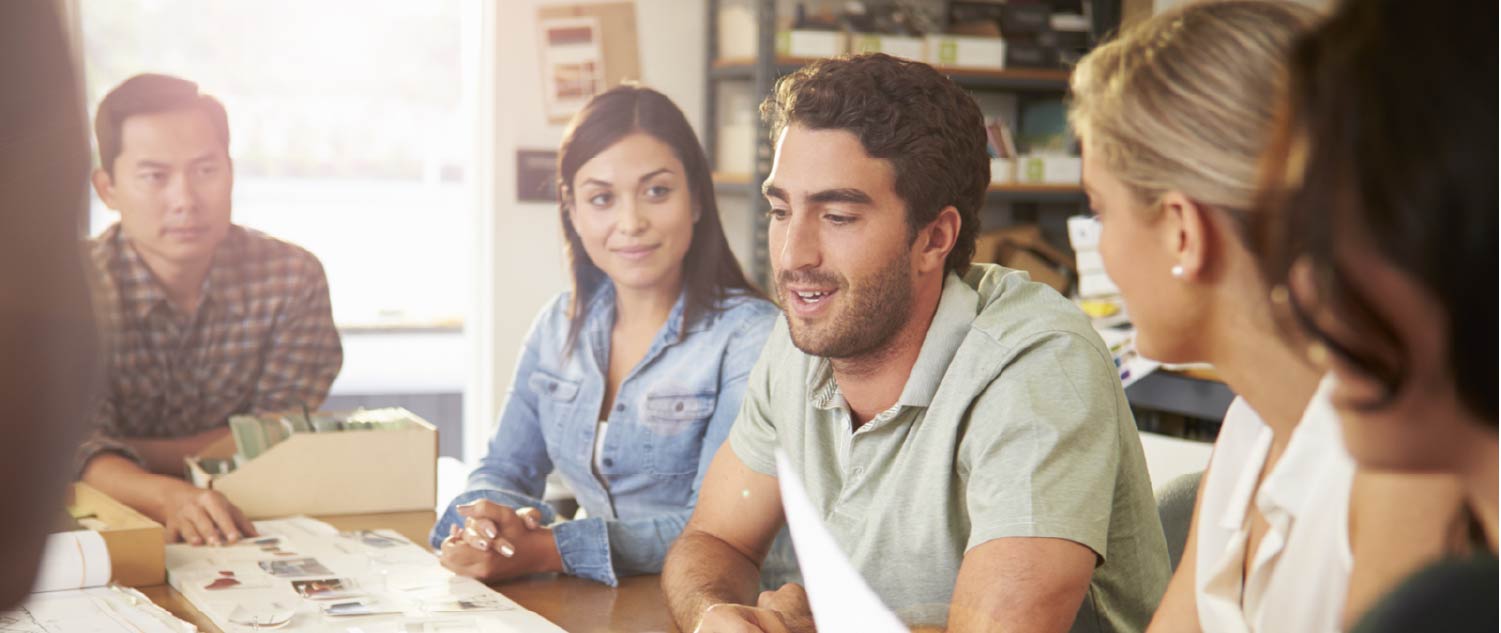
{"x":1177,"y":272}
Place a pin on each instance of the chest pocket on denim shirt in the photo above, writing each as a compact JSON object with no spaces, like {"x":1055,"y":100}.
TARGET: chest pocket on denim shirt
{"x":546,"y":385}
{"x":555,"y":396}
{"x":675,"y":425}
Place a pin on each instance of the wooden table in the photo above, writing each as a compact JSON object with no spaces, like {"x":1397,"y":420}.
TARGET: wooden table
{"x":576,"y":605}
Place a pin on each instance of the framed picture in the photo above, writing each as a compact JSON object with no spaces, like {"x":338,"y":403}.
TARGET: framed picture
{"x":573,"y":63}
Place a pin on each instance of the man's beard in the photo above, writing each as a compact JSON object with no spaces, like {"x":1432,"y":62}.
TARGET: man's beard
{"x":868,"y":316}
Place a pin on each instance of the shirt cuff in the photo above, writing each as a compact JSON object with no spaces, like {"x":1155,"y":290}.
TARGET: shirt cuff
{"x":507,"y":498}
{"x":584,"y":545}
{"x":98,"y":443}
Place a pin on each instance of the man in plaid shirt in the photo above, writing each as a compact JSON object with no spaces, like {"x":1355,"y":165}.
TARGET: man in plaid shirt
{"x":203,"y":319}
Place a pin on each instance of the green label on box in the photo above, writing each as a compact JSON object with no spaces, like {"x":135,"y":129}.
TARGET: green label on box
{"x":784,"y":42}
{"x":867,"y":44}
{"x":948,"y":52}
{"x":1034,"y":169}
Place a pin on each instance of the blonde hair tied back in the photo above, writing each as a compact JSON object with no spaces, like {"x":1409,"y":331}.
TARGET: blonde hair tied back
{"x":1184,"y":101}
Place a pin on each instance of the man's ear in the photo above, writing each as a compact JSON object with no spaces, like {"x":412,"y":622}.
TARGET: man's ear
{"x":104,"y":185}
{"x":1186,"y":229}
{"x":936,"y":240}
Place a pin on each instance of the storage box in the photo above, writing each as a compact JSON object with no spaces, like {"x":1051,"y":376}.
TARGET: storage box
{"x":1023,"y":247}
{"x":1002,"y":171}
{"x":137,"y":555}
{"x":913,"y":48}
{"x":1025,"y":55}
{"x":1018,"y":18}
{"x":958,"y":51}
{"x":1049,"y":169}
{"x":806,"y":43}
{"x":341,"y":472}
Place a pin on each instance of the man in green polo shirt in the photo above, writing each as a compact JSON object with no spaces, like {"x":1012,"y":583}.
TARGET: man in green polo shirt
{"x":960,"y":429}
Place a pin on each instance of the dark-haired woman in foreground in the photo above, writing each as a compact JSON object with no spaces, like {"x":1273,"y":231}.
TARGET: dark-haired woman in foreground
{"x":1381,"y":196}
{"x":628,"y":383}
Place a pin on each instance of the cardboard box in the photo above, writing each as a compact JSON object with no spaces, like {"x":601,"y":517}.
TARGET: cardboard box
{"x":1023,"y":247}
{"x":1049,"y":169}
{"x":137,"y":553}
{"x":1028,"y":55}
{"x":958,"y":51}
{"x":806,"y":43}
{"x":913,"y":48}
{"x":1002,"y":171}
{"x":342,"y":472}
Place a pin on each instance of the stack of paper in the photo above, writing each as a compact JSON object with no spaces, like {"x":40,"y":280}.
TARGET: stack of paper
{"x":304,"y":575}
{"x":70,"y":594}
{"x":1084,"y":237}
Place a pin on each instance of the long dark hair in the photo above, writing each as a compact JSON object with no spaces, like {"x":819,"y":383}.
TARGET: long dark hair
{"x":1386,"y":130}
{"x":710,"y":271}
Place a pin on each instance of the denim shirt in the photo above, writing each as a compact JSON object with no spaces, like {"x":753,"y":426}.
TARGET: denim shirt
{"x":671,"y":413}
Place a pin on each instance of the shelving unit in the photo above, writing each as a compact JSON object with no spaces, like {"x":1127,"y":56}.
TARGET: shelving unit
{"x":763,"y":69}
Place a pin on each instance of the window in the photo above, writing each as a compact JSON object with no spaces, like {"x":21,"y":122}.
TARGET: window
{"x":350,"y":126}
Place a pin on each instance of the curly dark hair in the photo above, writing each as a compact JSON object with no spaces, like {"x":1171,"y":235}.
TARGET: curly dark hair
{"x":904,"y":112}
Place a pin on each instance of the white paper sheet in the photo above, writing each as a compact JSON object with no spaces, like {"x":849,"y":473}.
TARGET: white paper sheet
{"x":837,"y":594}
{"x":111,"y":609}
{"x":73,"y":560}
{"x":404,"y":575}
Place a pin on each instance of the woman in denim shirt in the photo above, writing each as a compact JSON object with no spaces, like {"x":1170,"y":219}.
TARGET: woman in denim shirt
{"x":627,"y":384}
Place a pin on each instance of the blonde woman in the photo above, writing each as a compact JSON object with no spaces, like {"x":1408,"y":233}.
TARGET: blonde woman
{"x":1287,"y":535}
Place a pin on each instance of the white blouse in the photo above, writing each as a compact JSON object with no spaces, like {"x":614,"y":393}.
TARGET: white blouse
{"x":1301,"y":570}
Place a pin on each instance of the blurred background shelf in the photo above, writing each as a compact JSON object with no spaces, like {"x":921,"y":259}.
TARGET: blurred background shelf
{"x":741,"y":183}
{"x":1016,"y":79}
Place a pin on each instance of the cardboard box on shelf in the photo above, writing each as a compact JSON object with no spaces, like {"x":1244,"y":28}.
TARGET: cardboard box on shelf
{"x":328,"y":473}
{"x":136,"y":552}
{"x":958,"y":51}
{"x":913,"y":48}
{"x":1002,"y":171}
{"x":808,"y":43}
{"x":1023,"y":247}
{"x":1049,"y":169}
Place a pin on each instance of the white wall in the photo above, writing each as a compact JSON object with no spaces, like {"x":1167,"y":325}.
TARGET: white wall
{"x":522,"y":241}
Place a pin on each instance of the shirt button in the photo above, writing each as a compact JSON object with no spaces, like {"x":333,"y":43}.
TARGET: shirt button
{"x":552,"y":386}
{"x":609,"y":462}
{"x":619,"y":407}
{"x":679,"y":407}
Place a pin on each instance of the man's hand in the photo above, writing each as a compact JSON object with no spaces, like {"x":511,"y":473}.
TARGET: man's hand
{"x":499,"y":543}
{"x":199,"y":516}
{"x":782,"y":611}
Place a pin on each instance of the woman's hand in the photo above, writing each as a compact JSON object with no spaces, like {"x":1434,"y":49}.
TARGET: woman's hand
{"x":499,"y":543}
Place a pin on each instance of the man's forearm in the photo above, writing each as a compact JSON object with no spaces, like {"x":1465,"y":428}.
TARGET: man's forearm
{"x":164,"y":455}
{"x":701,"y":571}
{"x":132,"y":485}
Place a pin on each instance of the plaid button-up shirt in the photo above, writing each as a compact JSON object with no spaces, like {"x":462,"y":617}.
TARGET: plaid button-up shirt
{"x":263,"y":339}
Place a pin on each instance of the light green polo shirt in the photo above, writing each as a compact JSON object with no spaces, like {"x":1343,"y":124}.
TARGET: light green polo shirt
{"x":1012,"y":423}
